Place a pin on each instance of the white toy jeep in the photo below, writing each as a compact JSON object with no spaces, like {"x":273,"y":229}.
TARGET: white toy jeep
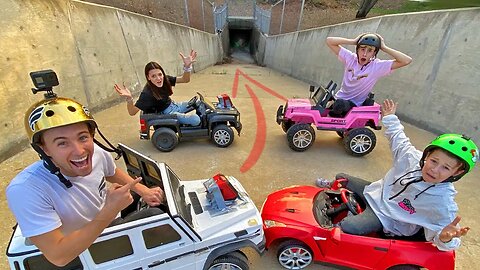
{"x":205,"y":224}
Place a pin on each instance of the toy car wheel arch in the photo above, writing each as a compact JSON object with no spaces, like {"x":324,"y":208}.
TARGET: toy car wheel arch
{"x":286,"y":125}
{"x":359,"y":141}
{"x":300,"y":137}
{"x":222,"y":135}
{"x":294,"y":254}
{"x":232,"y":261}
{"x":165,"y":139}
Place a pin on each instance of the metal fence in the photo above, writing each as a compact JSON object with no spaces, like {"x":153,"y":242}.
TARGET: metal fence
{"x":281,"y":23}
{"x":220,"y":13}
{"x":262,"y":19}
{"x":241,"y":8}
{"x":199,"y":14}
{"x":211,"y":17}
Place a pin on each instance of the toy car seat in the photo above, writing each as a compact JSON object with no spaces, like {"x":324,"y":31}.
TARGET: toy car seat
{"x":370,"y":99}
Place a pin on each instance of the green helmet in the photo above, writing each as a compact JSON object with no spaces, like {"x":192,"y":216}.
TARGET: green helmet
{"x":458,"y":145}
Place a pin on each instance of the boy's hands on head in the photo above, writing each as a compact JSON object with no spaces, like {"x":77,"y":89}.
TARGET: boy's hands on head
{"x":452,"y":230}
{"x":388,"y":107}
{"x":382,"y":42}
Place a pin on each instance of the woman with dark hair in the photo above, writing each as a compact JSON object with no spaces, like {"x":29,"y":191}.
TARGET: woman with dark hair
{"x":155,"y":96}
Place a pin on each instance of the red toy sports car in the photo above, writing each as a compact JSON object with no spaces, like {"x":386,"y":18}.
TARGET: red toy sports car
{"x":301,"y":221}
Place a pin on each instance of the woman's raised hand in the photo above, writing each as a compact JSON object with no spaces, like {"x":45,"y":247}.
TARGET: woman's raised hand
{"x":190,"y":59}
{"x":123,"y":91}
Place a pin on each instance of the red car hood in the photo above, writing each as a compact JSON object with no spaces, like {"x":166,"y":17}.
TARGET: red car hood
{"x":291,"y":205}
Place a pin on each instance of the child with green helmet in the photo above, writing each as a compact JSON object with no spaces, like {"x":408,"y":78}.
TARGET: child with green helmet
{"x":362,"y":69}
{"x":416,"y":196}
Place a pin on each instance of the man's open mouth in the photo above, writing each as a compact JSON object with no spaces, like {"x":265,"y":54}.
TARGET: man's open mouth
{"x":81,"y":162}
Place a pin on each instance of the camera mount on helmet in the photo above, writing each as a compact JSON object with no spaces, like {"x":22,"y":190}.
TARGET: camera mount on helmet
{"x":44,"y":80}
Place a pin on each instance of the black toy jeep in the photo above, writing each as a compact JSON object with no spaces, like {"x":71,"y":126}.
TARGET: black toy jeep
{"x":216,"y":122}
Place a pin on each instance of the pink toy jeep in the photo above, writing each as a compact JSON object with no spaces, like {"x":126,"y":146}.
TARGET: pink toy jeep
{"x":298,"y":116}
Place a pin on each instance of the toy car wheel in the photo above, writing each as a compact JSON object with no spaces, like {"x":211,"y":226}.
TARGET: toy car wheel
{"x":232,"y":261}
{"x":294,"y":255}
{"x":222,"y":135}
{"x":165,"y":139}
{"x":360,"y":141}
{"x":286,"y":125}
{"x":300,"y":137}
{"x":341,"y":134}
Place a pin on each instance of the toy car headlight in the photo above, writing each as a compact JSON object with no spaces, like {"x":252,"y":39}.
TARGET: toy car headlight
{"x":273,"y":223}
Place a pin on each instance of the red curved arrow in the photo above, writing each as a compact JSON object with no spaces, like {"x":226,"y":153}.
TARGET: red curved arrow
{"x":261,"y":134}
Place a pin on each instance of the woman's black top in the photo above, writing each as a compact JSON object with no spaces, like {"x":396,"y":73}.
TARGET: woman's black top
{"x":150,"y":104}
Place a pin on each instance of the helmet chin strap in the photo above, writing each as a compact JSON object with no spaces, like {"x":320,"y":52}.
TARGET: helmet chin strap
{"x":48,"y":163}
{"x":112,"y":148}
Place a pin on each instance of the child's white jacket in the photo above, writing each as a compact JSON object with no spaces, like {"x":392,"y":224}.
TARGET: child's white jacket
{"x":405,"y":203}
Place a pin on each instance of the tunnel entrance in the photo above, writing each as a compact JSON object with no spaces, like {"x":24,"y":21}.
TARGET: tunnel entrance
{"x":240,"y":45}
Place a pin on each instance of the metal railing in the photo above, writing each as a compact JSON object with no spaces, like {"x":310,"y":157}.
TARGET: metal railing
{"x":206,"y":16}
{"x":262,"y":19}
{"x":280,"y":23}
{"x":220,"y":13}
{"x":200,"y":14}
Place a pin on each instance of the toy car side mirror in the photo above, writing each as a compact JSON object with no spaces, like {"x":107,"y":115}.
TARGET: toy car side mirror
{"x":335,"y":235}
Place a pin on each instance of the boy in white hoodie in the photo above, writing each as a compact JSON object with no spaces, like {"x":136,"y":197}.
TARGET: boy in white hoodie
{"x":417,"y":192}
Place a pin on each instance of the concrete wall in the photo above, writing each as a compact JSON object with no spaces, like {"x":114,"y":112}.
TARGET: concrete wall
{"x":439,"y":91}
{"x":90,"y":47}
{"x":258,"y":43}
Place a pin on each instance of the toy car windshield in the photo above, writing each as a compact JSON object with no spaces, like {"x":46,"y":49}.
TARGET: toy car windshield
{"x":140,"y":165}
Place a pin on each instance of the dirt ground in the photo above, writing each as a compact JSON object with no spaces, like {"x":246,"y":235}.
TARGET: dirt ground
{"x":316,"y":12}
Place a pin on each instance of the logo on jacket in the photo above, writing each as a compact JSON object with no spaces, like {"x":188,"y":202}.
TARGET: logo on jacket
{"x":407,"y":206}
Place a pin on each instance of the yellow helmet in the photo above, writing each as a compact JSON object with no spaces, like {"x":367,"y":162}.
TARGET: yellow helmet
{"x":52,"y":113}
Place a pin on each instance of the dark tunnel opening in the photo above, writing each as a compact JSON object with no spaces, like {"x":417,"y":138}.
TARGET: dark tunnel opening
{"x":241,"y":45}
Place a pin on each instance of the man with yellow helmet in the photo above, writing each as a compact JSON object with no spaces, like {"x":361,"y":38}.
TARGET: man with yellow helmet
{"x":62,"y":202}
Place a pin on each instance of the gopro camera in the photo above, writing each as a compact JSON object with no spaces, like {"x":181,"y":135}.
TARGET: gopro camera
{"x":44,"y":80}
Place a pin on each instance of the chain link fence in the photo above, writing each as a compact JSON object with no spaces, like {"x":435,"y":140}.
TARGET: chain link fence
{"x":262,"y":19}
{"x":212,"y":15}
{"x":269,"y":19}
{"x":199,"y":15}
{"x":279,"y":22}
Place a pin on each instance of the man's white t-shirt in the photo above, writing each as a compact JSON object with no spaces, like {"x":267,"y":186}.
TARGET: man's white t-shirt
{"x":41,"y":203}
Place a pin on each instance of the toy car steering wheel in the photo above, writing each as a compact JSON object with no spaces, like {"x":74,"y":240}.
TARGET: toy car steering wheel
{"x":348,"y":198}
{"x":192,"y":102}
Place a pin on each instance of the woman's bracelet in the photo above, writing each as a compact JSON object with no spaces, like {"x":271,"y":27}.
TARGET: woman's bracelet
{"x":129,"y":100}
{"x":187,"y":69}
